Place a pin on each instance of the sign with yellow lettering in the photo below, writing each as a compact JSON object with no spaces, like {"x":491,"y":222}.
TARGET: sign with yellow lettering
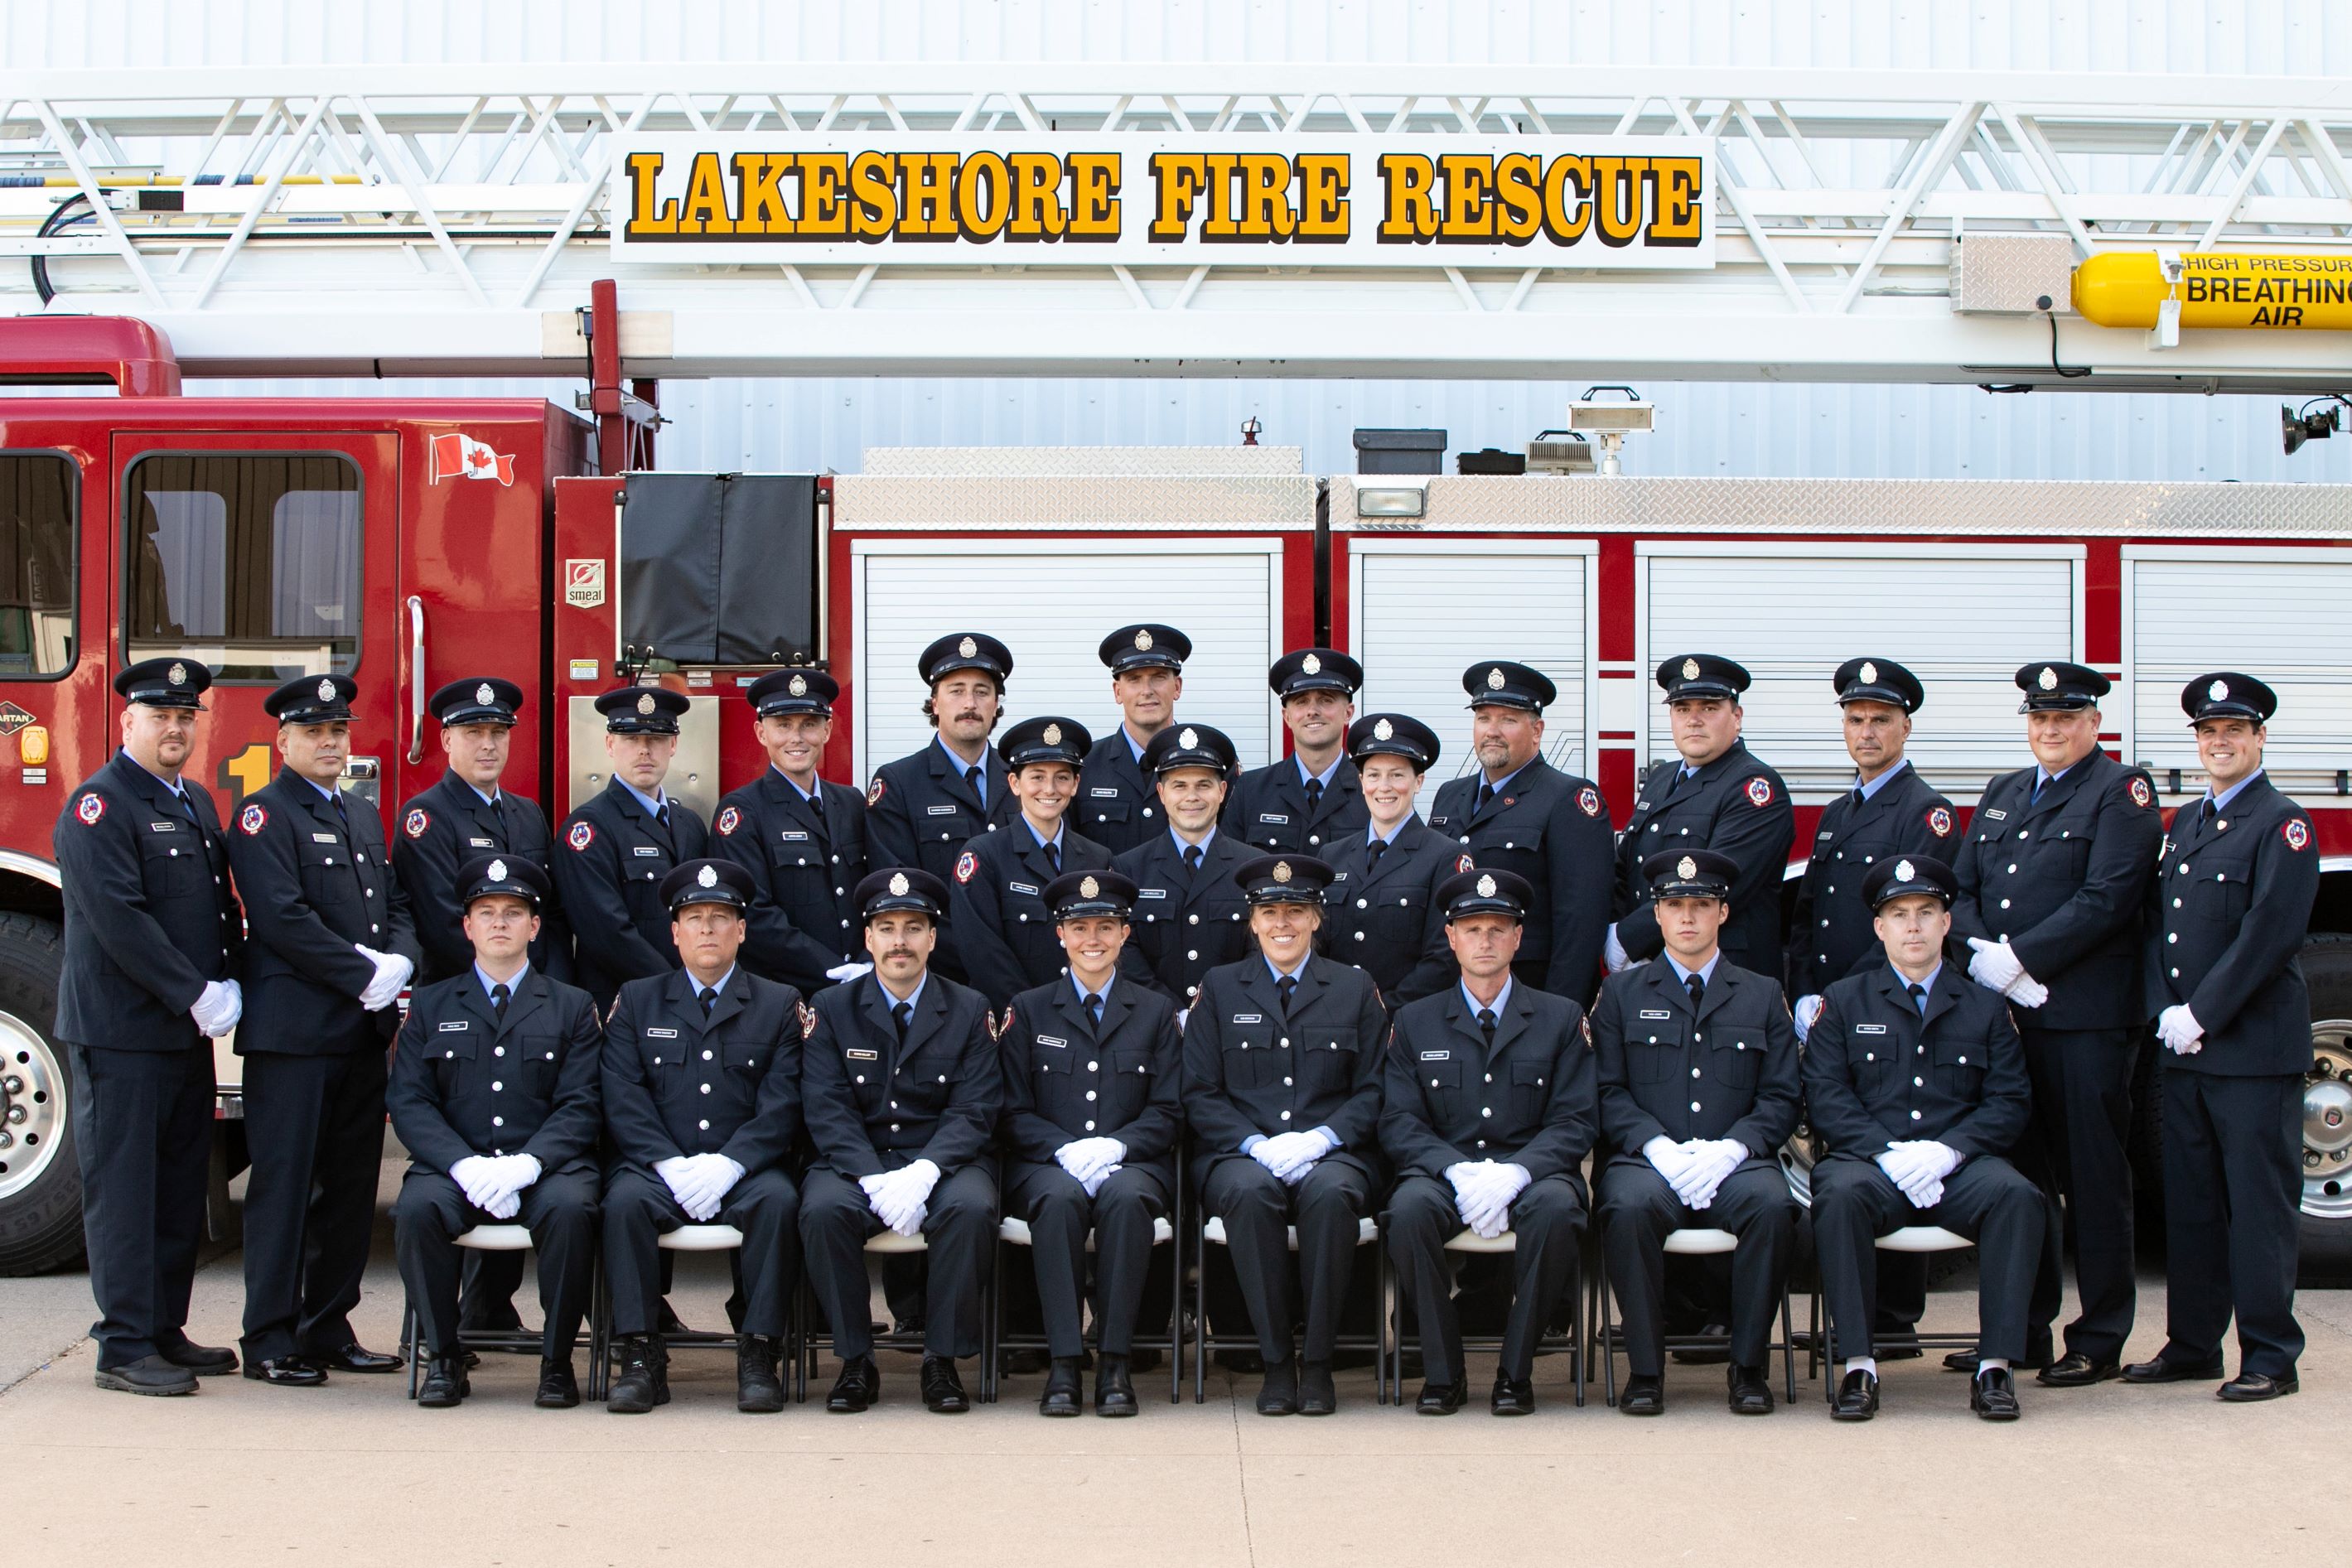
{"x":1141,"y":199}
{"x":2298,"y":290}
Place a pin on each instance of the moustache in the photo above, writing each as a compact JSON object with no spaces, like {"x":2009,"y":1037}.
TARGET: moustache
{"x":899,"y":953}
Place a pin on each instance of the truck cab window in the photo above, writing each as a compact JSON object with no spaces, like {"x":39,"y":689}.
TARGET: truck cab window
{"x":38,"y":492}
{"x":249,"y":563}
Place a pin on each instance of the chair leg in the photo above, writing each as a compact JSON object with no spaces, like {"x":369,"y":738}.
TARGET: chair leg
{"x":1381,"y":1349}
{"x":1607,"y":1340}
{"x":1201,"y":1320}
{"x":1788,"y":1345}
{"x":992,"y":1327}
{"x":1577,"y":1351}
{"x":408,"y":1326}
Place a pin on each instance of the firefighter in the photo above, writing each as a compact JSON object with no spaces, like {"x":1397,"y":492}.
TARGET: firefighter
{"x":1915,"y":1082}
{"x":996,"y":893}
{"x":1091,"y":1119}
{"x":1714,"y":796}
{"x":1308,"y":800}
{"x":1890,"y":810}
{"x":1519,"y":813}
{"x":701,"y":1086}
{"x":2231,"y":901}
{"x":920,"y":809}
{"x":329,"y":947}
{"x":1699,"y":1088}
{"x":903,"y":1088}
{"x":1282,"y":1088}
{"x":621,"y":842}
{"x":2054,"y":875}
{"x":153,"y":946}
{"x":1119,"y":811}
{"x":1472,"y":1155}
{"x":802,"y":838}
{"x":495,"y":1096}
{"x":1192,"y":910}
{"x":1382,"y":912}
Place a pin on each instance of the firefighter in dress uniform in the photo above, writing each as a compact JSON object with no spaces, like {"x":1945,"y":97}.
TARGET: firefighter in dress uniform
{"x":2054,"y":875}
{"x":702,"y":1108}
{"x":1091,"y":1064}
{"x":1308,"y":800}
{"x":1191,"y":910}
{"x":996,"y":892}
{"x":1119,"y":809}
{"x":330,"y":947}
{"x":1487,"y":1111}
{"x":1699,"y":1088}
{"x":495,"y":1095}
{"x":623,"y":841}
{"x":1382,"y":912}
{"x":2229,"y":909}
{"x":1519,"y":813}
{"x":802,"y":838}
{"x":1282,"y":1088}
{"x":154,"y":943}
{"x":1916,"y":1083}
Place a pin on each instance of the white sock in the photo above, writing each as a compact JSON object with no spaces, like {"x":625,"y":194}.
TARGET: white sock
{"x":1868,"y":1363}
{"x":1989,"y":1362}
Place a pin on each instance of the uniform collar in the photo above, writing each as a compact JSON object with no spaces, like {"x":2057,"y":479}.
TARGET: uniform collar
{"x":1061,"y":831}
{"x":653,"y":803}
{"x":913,"y":998}
{"x":1076,"y":986}
{"x":514,"y":987}
{"x":718,"y":987}
{"x":178,"y":789}
{"x":790,"y":783}
{"x":1133,"y":745}
{"x":1502,"y":997}
{"x":1499,"y":785}
{"x":961,"y":767}
{"x":1181,"y":846}
{"x":1882,"y":782}
{"x":1706,"y":974}
{"x":2231,"y":793}
{"x":1372,"y":835}
{"x":1906,"y":982}
{"x":465,"y":787}
{"x":1280,"y":975}
{"x":1323,"y":777}
{"x":2044,"y":778}
{"x":329,"y":795}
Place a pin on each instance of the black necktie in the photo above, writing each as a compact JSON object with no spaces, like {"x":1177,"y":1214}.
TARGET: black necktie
{"x":1314,"y":795}
{"x":1191,"y":857}
{"x":1053,"y":856}
{"x":498,"y":994}
{"x":971,"y":777}
{"x":2038,"y":782}
{"x":1859,"y":798}
{"x":1697,"y":985}
{"x":1487,"y":1027}
{"x":709,"y":996}
{"x":1372,"y":855}
{"x":1919,"y":997}
{"x":1485,"y":795}
{"x":188,"y":809}
{"x":498,"y":825}
{"x":2205,"y":811}
{"x":342,"y":816}
{"x":1289,"y":987}
{"x":816,"y":803}
{"x":902,"y":1015}
{"x":1094,"y":1006}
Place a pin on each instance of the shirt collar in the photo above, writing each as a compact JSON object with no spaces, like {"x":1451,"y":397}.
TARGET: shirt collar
{"x":512,"y":986}
{"x":1874,"y":786}
{"x":1078,"y":986}
{"x":1706,"y":974}
{"x":490,"y":800}
{"x":1499,"y":785}
{"x":1323,"y":777}
{"x":2044,"y":778}
{"x":1042,"y":840}
{"x":958,"y":764}
{"x":889,"y":1002}
{"x":314,"y":784}
{"x":171,"y":785}
{"x":1181,"y":846}
{"x":1279,"y":974}
{"x":718,"y":986}
{"x":1133,"y":745}
{"x":1927,"y":984}
{"x":1502,"y":997}
{"x":2226,"y":796}
{"x":653,"y":803}
{"x":793,"y":784}
{"x":1373,"y":835}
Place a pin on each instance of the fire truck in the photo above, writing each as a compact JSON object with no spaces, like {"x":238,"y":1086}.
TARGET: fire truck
{"x":408,"y":542}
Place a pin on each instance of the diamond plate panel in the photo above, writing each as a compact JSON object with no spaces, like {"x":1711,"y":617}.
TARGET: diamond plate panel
{"x":2011,"y":275}
{"x":1076,"y":504}
{"x":1030,"y":461}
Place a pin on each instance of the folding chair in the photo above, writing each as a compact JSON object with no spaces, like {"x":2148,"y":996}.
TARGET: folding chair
{"x":1694,"y":1241}
{"x":1910,"y":1239}
{"x":1471,"y":1243}
{"x":881,"y":1244}
{"x":515,"y":1342}
{"x":1011,"y":1231}
{"x":1382,"y":1342}
{"x":689,"y":1239}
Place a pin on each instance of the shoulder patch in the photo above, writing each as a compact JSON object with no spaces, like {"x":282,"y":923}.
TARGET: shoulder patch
{"x":2141,"y":794}
{"x":998,"y":1026}
{"x":416,"y":822}
{"x":874,"y":792}
{"x":729,"y":818}
{"x":252,"y":819}
{"x":90,"y":809}
{"x":1463,"y":863}
{"x":1584,"y":1027}
{"x":966,"y":864}
{"x":580,"y":836}
{"x":1939,"y":821}
{"x":807,"y":1016}
{"x":1588,"y":800}
{"x":1759,"y":790}
{"x":2296,"y":832}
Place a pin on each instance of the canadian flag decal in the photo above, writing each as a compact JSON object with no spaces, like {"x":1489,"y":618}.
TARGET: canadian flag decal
{"x":457,"y":456}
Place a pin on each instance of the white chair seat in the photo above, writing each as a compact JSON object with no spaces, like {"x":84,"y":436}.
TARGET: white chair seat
{"x":702,"y":1238}
{"x":1471,"y":1241}
{"x":1700,"y":1241}
{"x":1016,"y":1233}
{"x":1923,"y":1239}
{"x":892,"y":1242}
{"x":1368,"y":1230}
{"x":496,"y":1238}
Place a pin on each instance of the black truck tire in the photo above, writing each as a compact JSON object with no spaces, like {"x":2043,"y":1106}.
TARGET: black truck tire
{"x":40,"y":1175}
{"x":2324,"y":1254}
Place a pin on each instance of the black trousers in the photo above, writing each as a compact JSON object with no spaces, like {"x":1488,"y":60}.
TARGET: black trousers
{"x":1985,"y":1200}
{"x":314,"y":1128}
{"x":1547,"y":1228}
{"x":1638,"y":1208}
{"x":143,"y":1127}
{"x":2232,"y":1197}
{"x":1060,"y":1213}
{"x":1327,"y":1206}
{"x":2076,"y":1147}
{"x":487,"y":1294}
{"x":959,"y":1238}
{"x":561,"y":1211}
{"x":639,"y":1212}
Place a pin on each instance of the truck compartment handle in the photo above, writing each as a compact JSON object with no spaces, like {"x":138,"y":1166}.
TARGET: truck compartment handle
{"x":415,"y":679}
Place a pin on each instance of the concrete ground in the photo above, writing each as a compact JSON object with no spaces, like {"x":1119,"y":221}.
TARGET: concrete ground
{"x":353,"y":1474}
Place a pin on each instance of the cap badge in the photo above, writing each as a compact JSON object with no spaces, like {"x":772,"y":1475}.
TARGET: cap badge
{"x":707,"y":876}
{"x":1495,"y":679}
{"x":797,"y":686}
{"x":1903,"y":871}
{"x":1383,"y":730}
{"x":327,"y":691}
{"x":645,"y":704}
{"x":2048,"y":679}
{"x":967,"y":647}
{"x":1143,"y":640}
{"x":1686,"y":868}
{"x":2219,"y":691}
{"x":179,"y":674}
{"x":1690,"y":669}
{"x":1189,"y":738}
{"x":484,"y":695}
{"x":1052,"y":735}
{"x":1282,"y":871}
{"x":1485,"y":887}
{"x":1089,"y":887}
{"x":1869,"y":674}
{"x":1311,"y":665}
{"x":498,"y":871}
{"x":899,"y":885}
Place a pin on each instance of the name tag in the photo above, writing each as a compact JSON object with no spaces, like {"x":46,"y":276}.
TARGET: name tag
{"x":1101,"y":794}
{"x":1437,"y":1056}
{"x":1339,"y":876}
{"x":454,"y":1028}
{"x":1822,"y":838}
{"x":1151,"y":893}
{"x":325,"y":839}
{"x":1057,"y":1044}
{"x":795,"y":836}
{"x":162,"y":827}
{"x":1870,"y":1029}
{"x":862,"y":1055}
{"x":1272,"y":817}
{"x":940,"y":811}
{"x":646,"y":850}
{"x":1249,"y":1017}
{"x":1657,"y":1013}
{"x":1437,"y":822}
{"x":479,"y":843}
{"x":1021,"y":887}
{"x":1996,"y":814}
{"x":661,"y":1034}
{"x":1640,"y":805}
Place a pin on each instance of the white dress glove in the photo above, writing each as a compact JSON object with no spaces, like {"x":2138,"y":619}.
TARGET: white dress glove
{"x":1464,"y":1178}
{"x":1711,"y":1162}
{"x":2177,"y":1027}
{"x":849,"y":971}
{"x":1613,"y":953}
{"x":901,"y":1198}
{"x":502,"y":1183}
{"x":474,"y":1177}
{"x":1295,"y":1154}
{"x":2027,"y":992}
{"x":704,"y":1185}
{"x":1498,"y":1186}
{"x":676,"y":1173}
{"x":1807,"y":1012}
{"x":1918,"y":1168}
{"x":219,"y":1007}
{"x":1993,"y":965}
{"x":1181,"y":1014}
{"x":1090,"y":1161}
{"x":391,"y":972}
{"x":1667,"y":1157}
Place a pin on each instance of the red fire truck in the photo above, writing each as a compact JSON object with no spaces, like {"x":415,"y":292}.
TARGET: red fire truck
{"x":413,"y":541}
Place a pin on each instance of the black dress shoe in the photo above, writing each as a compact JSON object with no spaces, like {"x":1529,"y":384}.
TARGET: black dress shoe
{"x":2250,"y":1387}
{"x":558,"y":1389}
{"x":1992,"y":1394}
{"x":204,"y":1360}
{"x":1443,"y":1398}
{"x":1897,"y":1345}
{"x":1317,"y":1396}
{"x":148,"y":1374}
{"x":445,"y":1385}
{"x":1857,"y":1397}
{"x":285,"y":1371}
{"x":1114,"y":1391}
{"x":1278,"y":1395}
{"x":1751,"y":1394}
{"x":2077,"y":1370}
{"x":1643,"y":1395}
{"x":354,"y":1358}
{"x":668,"y":1321}
{"x":2161,"y":1370}
{"x":1142,"y":1361}
{"x":1065,"y":1388}
{"x":644,"y":1382}
{"x":942,"y":1389}
{"x":1710,"y":1356}
{"x":2037,"y":1356}
{"x":1026,"y":1363}
{"x":758,"y":1387}
{"x":859,"y":1386}
{"x":1512,"y":1396}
